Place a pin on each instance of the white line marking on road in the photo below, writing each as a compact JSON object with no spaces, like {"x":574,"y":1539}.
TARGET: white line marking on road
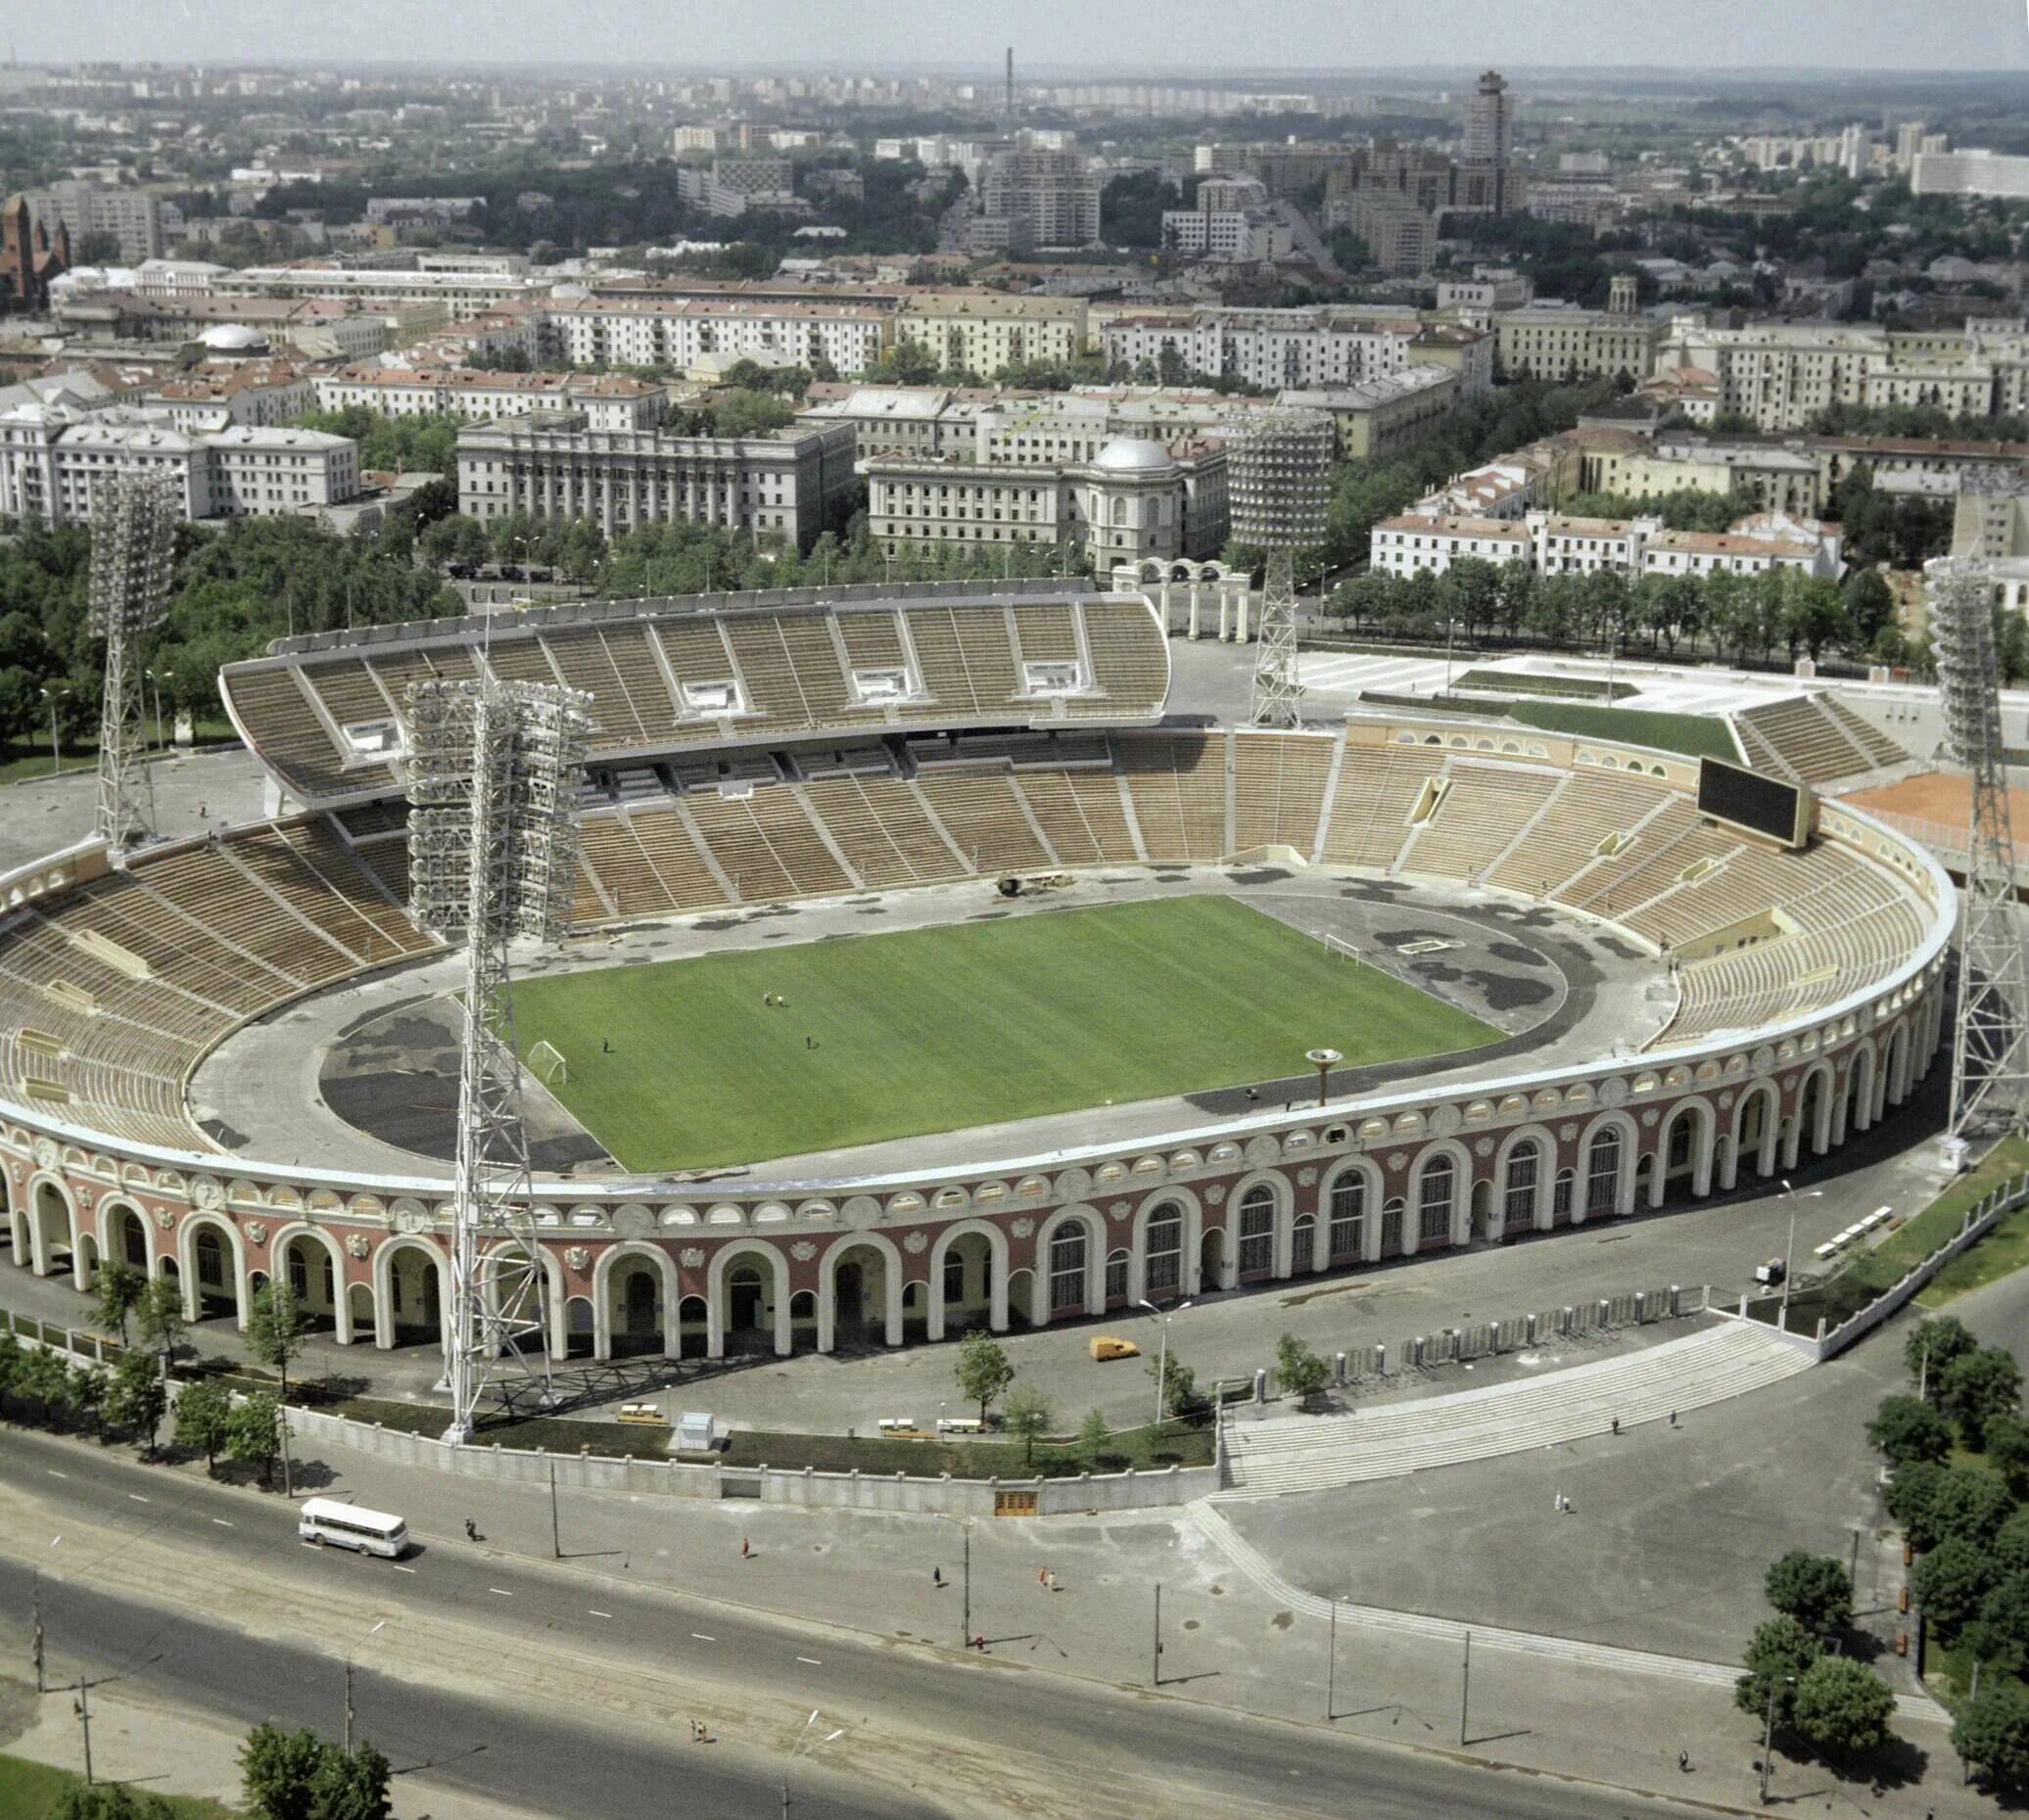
{"x":137,"y":1498}
{"x":702,"y":1638}
{"x":402,"y":1570}
{"x":502,"y":1590}
{"x":597,"y":1614}
{"x":221,"y":1522}
{"x":54,"y":1474}
{"x":811,"y":1660}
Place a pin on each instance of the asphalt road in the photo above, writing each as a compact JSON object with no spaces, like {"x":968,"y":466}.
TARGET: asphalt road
{"x":530,"y":1750}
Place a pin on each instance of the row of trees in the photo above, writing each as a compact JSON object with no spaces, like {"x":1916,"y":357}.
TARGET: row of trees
{"x":985,"y":1376}
{"x":283,"y":1776}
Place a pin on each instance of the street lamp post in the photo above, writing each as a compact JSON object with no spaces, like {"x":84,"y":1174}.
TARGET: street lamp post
{"x":1162,"y":1365}
{"x":350,"y":1654}
{"x":1789,"y":1247}
{"x":56,"y":751}
{"x":1768,"y":1731}
{"x":802,"y":1749}
{"x":1324,"y":1062}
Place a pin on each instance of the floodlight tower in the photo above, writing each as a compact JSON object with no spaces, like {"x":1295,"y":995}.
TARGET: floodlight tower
{"x":1279,"y":492}
{"x":133,"y":538}
{"x":1990,"y":1051}
{"x":492,"y":853}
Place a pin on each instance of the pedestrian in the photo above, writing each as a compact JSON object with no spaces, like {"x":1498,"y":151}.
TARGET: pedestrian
{"x":936,"y":1576}
{"x":810,"y":1042}
{"x":1617,"y":1424}
{"x":471,"y":1530}
{"x":1254,"y":1093}
{"x":1673,"y":1419}
{"x":1683,"y":1761}
{"x":605,"y":1045}
{"x":746,"y":1549}
{"x":1054,"y":1587}
{"x":1042,"y":1577}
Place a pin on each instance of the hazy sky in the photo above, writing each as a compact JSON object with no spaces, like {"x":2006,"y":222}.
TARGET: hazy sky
{"x":1207,"y":37}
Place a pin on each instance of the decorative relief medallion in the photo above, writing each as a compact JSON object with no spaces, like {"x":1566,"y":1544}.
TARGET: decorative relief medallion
{"x":1567,"y":1132}
{"x":1119,"y":1210}
{"x":1398,"y":1160}
{"x":1484,"y":1147}
{"x":915,"y":1242}
{"x":803,"y":1250}
{"x":257,"y":1232}
{"x":359,"y":1246}
{"x":1023,"y":1228}
{"x":1445,"y":1121}
{"x":1215,"y":1195}
{"x":691,"y":1257}
{"x":1613,"y":1093}
{"x":577,"y":1256}
{"x":1307,"y":1176}
{"x":1648,"y":1116}
{"x":163,"y":1218}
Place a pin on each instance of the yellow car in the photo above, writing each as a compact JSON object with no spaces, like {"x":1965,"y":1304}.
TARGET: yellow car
{"x":1105,"y":1346}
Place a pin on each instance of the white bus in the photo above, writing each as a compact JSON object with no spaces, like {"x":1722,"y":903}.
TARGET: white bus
{"x":346,"y":1526}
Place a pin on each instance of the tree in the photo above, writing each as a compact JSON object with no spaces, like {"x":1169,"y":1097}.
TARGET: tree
{"x":1028,"y":1416}
{"x":253,"y":1432}
{"x":1932,"y":1346}
{"x":1999,"y":1635}
{"x":204,"y":1419}
{"x":277,"y":1324}
{"x":90,"y":1385}
{"x":1869,"y":605}
{"x":1842,"y":1704}
{"x":1978,"y":1385}
{"x":43,"y":1379}
{"x":1302,"y":1372}
{"x":137,"y":1397}
{"x":162,"y":1318}
{"x":1813,"y":1589}
{"x":12,"y":1357}
{"x":1905,"y":1428}
{"x":1093,"y":1432}
{"x":1778,"y":1654}
{"x":97,"y":247}
{"x":2007,"y":1450}
{"x":300,"y":1776}
{"x":1179,"y":1385}
{"x":983,"y":1370}
{"x":749,"y":413}
{"x":1932,"y":1501}
{"x":109,"y":1800}
{"x":907,"y":363}
{"x":1951,"y":1582}
{"x":1992,"y":1733}
{"x":351,"y":1788}
{"x":121,"y":1286}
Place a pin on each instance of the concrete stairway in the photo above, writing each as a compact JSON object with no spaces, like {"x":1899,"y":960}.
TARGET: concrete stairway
{"x":1390,"y":1441}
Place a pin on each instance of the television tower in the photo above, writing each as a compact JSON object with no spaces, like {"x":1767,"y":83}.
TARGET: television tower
{"x":492,"y":853}
{"x":133,"y":545}
{"x":1990,"y":1051}
{"x":1277,"y":480}
{"x":1009,"y":85}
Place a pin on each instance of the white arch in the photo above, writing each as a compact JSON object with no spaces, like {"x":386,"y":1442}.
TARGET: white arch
{"x":1820,"y":1134}
{"x":1772,"y":1126}
{"x":609,"y":1260}
{"x":278,"y":1257}
{"x":186,"y":1264}
{"x":1282,"y":1230}
{"x":1895,"y":1076}
{"x":110,"y":1208}
{"x":890,"y":1287}
{"x":1369,"y":1172}
{"x":1856,"y":1091}
{"x":384,"y":1290}
{"x":17,"y":1223}
{"x":1541,"y":1216}
{"x":1095,"y":1262}
{"x":1704,"y":1140}
{"x":723,"y":1261}
{"x":1629,"y":1161}
{"x":1461,"y":1193}
{"x":38,"y":1245}
{"x":1193,"y":1211}
{"x":996,"y":1273}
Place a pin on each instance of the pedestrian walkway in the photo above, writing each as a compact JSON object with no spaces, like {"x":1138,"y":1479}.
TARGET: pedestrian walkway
{"x":1313,"y":1453}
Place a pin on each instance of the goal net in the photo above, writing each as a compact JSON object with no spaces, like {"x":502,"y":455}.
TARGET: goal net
{"x":546,"y":1063}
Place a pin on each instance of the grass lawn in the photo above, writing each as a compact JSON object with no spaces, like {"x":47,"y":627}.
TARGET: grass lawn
{"x":32,"y":757}
{"x":1918,"y":1238}
{"x":1695,"y":735}
{"x":29,"y":1791}
{"x":942,"y":1029}
{"x":2004,"y":1249}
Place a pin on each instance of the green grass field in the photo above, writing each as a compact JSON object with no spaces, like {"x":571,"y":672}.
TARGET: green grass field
{"x":941,"y":1029}
{"x":1695,"y":735}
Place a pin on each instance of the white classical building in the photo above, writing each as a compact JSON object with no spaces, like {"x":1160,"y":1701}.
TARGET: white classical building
{"x":627,"y":330}
{"x":609,"y":400}
{"x":1275,"y":347}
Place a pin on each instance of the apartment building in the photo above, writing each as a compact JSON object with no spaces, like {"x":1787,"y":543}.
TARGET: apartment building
{"x":608,"y":400}
{"x":463,"y":294}
{"x":258,"y":393}
{"x":1554,"y":340}
{"x":134,"y":217}
{"x":1275,"y":347}
{"x":1030,"y":199}
{"x":618,"y":331}
{"x":1383,"y":414}
{"x":1552,"y":544}
{"x":1401,"y":237}
{"x":791,"y":486}
{"x":979,"y":331}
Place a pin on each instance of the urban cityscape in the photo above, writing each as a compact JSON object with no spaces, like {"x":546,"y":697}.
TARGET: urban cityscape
{"x":916,"y":914}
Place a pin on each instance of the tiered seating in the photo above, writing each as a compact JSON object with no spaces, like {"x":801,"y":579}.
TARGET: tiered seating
{"x":280,"y":720}
{"x":966,"y":672}
{"x":1806,"y":740}
{"x":647,"y":691}
{"x":1377,"y":790}
{"x":1483,"y":809}
{"x":1278,"y":789}
{"x":1594,"y":805}
{"x":681,"y":869}
{"x":206,"y":887}
{"x":611,"y":857}
{"x":1664,"y":843}
{"x":1877,"y":745}
{"x":1128,"y":664}
{"x":880,"y":826}
{"x":1179,"y":791}
{"x":585,"y":663}
{"x":321,"y":881}
{"x":765,"y":843}
{"x":981,"y":811}
{"x":1079,"y":812}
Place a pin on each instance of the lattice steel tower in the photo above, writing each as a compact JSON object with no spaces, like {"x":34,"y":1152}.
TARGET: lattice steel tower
{"x":133,"y":545}
{"x":1277,"y":481}
{"x":1990,"y":1052}
{"x":493,"y":853}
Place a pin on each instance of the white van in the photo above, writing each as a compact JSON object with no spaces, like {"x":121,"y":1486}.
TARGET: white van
{"x":325,"y":1521}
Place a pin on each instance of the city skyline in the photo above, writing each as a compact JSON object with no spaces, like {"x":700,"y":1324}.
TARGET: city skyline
{"x":1731,"y":36}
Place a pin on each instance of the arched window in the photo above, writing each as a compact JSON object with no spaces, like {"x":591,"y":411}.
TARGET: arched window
{"x":1257,"y":1231}
{"x":1119,"y":510}
{"x":1117,"y":1277}
{"x":1067,"y":1267}
{"x":1163,"y":1245}
{"x":1679,"y":1154}
{"x":210,"y":1260}
{"x":1559,"y":1195}
{"x":1603,"y":1172}
{"x":1304,"y":1242}
{"x":1433,"y":1203}
{"x":1518,"y":1194}
{"x":1391,"y":1229}
{"x":954,"y":1275}
{"x":299,"y":1272}
{"x":1349,"y":1213}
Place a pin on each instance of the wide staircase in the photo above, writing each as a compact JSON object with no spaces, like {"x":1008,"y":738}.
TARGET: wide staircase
{"x":1390,"y":1441}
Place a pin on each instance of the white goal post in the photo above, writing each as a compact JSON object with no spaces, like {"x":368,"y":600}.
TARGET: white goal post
{"x":1346,"y":949}
{"x":546,"y":1062}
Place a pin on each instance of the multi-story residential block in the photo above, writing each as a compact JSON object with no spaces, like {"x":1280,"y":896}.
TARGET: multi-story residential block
{"x":465,"y":293}
{"x":650,"y":332}
{"x":1970,"y":173}
{"x":791,"y":486}
{"x":1400,"y":235}
{"x":608,"y":400}
{"x":1483,"y":161}
{"x":1276,"y":347}
{"x":1030,"y":199}
{"x":261,"y":394}
{"x":979,"y":331}
{"x":176,"y":278}
{"x":1383,"y":414}
{"x":132,"y":217}
{"x":1403,"y":545}
{"x":1555,"y":340}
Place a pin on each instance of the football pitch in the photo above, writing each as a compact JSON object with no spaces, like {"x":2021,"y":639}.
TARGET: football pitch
{"x":930,"y":1030}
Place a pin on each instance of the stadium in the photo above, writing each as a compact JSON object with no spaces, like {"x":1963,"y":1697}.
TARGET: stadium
{"x":928,"y":972}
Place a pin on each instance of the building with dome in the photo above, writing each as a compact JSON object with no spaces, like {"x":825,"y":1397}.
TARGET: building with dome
{"x":1136,"y":498}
